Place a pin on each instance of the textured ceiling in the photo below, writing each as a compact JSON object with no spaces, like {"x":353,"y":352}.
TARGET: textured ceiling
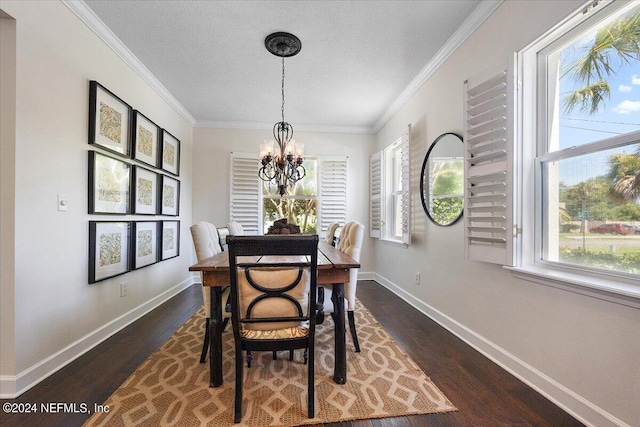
{"x":356,"y":59}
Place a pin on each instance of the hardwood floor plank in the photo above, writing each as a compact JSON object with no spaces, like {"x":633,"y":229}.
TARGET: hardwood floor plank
{"x":484,"y":393}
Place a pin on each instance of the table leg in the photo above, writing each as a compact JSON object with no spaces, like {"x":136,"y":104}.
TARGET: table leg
{"x":340,"y":351}
{"x":215,"y":338}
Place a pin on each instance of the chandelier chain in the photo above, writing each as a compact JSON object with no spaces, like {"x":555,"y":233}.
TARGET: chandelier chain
{"x":283,"y":88}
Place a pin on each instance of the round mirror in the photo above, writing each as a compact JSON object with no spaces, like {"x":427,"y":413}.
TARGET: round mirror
{"x":442,"y":180}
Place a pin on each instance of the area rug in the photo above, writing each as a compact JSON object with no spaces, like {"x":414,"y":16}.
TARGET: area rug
{"x":172,"y":389}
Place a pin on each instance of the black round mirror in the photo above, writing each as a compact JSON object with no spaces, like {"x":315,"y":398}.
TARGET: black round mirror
{"x":442,"y":180}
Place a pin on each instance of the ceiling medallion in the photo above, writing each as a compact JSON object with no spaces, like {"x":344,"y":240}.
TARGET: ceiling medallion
{"x":283,"y":44}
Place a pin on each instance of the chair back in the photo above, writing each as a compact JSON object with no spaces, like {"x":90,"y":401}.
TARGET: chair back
{"x":351,"y":238}
{"x":205,"y":240}
{"x":331,"y":232}
{"x":235,"y":228}
{"x":223,"y":232}
{"x":207,"y":244}
{"x":274,"y":287}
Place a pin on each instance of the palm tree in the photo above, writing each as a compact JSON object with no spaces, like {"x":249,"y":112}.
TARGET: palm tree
{"x":616,"y":43}
{"x":624,"y":171}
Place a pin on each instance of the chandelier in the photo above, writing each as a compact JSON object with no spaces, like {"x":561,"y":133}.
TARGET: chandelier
{"x":282,"y":167}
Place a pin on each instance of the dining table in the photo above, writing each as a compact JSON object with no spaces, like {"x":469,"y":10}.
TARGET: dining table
{"x":333,"y":270}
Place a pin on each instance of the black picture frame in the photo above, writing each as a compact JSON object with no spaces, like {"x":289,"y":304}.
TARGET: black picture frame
{"x":170,"y":240}
{"x":109,"y":248}
{"x":169,"y":195}
{"x":170,"y":153}
{"x":109,"y":185}
{"x":146,"y":137}
{"x":109,"y":120}
{"x":145,"y":191}
{"x":145,"y":243}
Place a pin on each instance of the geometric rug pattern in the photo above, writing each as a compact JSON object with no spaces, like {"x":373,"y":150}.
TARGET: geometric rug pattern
{"x":171,"y":388}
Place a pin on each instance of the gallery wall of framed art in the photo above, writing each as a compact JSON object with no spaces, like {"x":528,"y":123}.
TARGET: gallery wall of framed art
{"x":133,"y":169}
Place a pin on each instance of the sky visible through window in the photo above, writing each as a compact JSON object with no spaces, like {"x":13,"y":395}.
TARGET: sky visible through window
{"x":618,"y":114}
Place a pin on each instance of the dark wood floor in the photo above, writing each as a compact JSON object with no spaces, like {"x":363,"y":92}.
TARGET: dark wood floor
{"x":485,"y":394}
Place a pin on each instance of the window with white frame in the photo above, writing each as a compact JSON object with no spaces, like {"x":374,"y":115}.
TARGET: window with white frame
{"x":299,"y":206}
{"x":585,"y":80}
{"x":389,"y":205}
{"x":312,"y":204}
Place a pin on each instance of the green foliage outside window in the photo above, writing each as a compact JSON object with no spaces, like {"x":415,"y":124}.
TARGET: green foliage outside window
{"x":301,"y":208}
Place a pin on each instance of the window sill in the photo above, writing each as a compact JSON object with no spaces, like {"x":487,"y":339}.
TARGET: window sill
{"x":625,"y":292}
{"x":395,"y":243}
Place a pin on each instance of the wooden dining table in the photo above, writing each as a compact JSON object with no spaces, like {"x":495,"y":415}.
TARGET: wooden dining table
{"x":333,"y":270}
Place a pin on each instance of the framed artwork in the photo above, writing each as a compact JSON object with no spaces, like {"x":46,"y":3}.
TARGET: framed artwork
{"x":144,"y":191}
{"x":109,"y":120}
{"x":170,"y":161}
{"x":170,"y":241}
{"x":109,"y":183}
{"x":108,"y":249}
{"x":145,"y":242}
{"x":146,"y":139}
{"x":170,"y":196}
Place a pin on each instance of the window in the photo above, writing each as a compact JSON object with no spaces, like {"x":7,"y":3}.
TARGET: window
{"x":317,"y":200}
{"x":588,"y":153}
{"x":299,"y":206}
{"x":389,"y":188}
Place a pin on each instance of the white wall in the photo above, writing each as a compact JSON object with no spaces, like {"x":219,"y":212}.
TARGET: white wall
{"x":57,"y":314}
{"x":582,"y":352}
{"x":7,"y":190}
{"x":212,"y":148}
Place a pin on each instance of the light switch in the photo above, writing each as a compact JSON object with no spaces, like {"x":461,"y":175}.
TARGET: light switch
{"x":63,"y":203}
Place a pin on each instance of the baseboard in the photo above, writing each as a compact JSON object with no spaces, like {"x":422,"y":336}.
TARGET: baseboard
{"x":13,"y":386}
{"x":571,"y":402}
{"x":366,"y":275}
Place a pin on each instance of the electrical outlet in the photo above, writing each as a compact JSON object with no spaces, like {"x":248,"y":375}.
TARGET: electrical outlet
{"x":123,"y":289}
{"x":417,"y":277}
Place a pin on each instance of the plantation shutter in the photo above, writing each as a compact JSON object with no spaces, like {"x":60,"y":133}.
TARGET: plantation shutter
{"x":375,"y":195}
{"x":333,"y":191}
{"x":490,"y":129}
{"x":245,"y":193}
{"x":406,"y":186}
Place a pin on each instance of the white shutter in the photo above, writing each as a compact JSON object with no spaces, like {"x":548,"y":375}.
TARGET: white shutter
{"x":333,"y":191}
{"x":406,"y":185}
{"x":375,"y":195}
{"x":245,"y":192}
{"x":489,"y":143}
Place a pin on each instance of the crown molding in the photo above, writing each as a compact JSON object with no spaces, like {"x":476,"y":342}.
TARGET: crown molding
{"x":269,"y":127}
{"x":477,"y":17}
{"x":95,"y":24}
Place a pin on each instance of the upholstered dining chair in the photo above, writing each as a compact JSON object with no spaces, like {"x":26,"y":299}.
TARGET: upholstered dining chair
{"x":350,"y":243}
{"x":273,"y":304}
{"x":235,"y":228}
{"x":223,"y":232}
{"x":331,"y":232}
{"x":207,"y":244}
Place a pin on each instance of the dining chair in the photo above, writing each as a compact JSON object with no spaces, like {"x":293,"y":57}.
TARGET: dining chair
{"x":235,"y":228}
{"x":207,"y":244}
{"x":273,"y":301}
{"x":350,"y":243}
{"x":331,"y":232}
{"x":223,"y":232}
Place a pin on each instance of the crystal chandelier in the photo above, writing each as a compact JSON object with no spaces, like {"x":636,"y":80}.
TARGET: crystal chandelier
{"x":284,"y":166}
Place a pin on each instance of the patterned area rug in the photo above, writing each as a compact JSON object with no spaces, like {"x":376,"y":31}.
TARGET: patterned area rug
{"x":172,"y":389}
